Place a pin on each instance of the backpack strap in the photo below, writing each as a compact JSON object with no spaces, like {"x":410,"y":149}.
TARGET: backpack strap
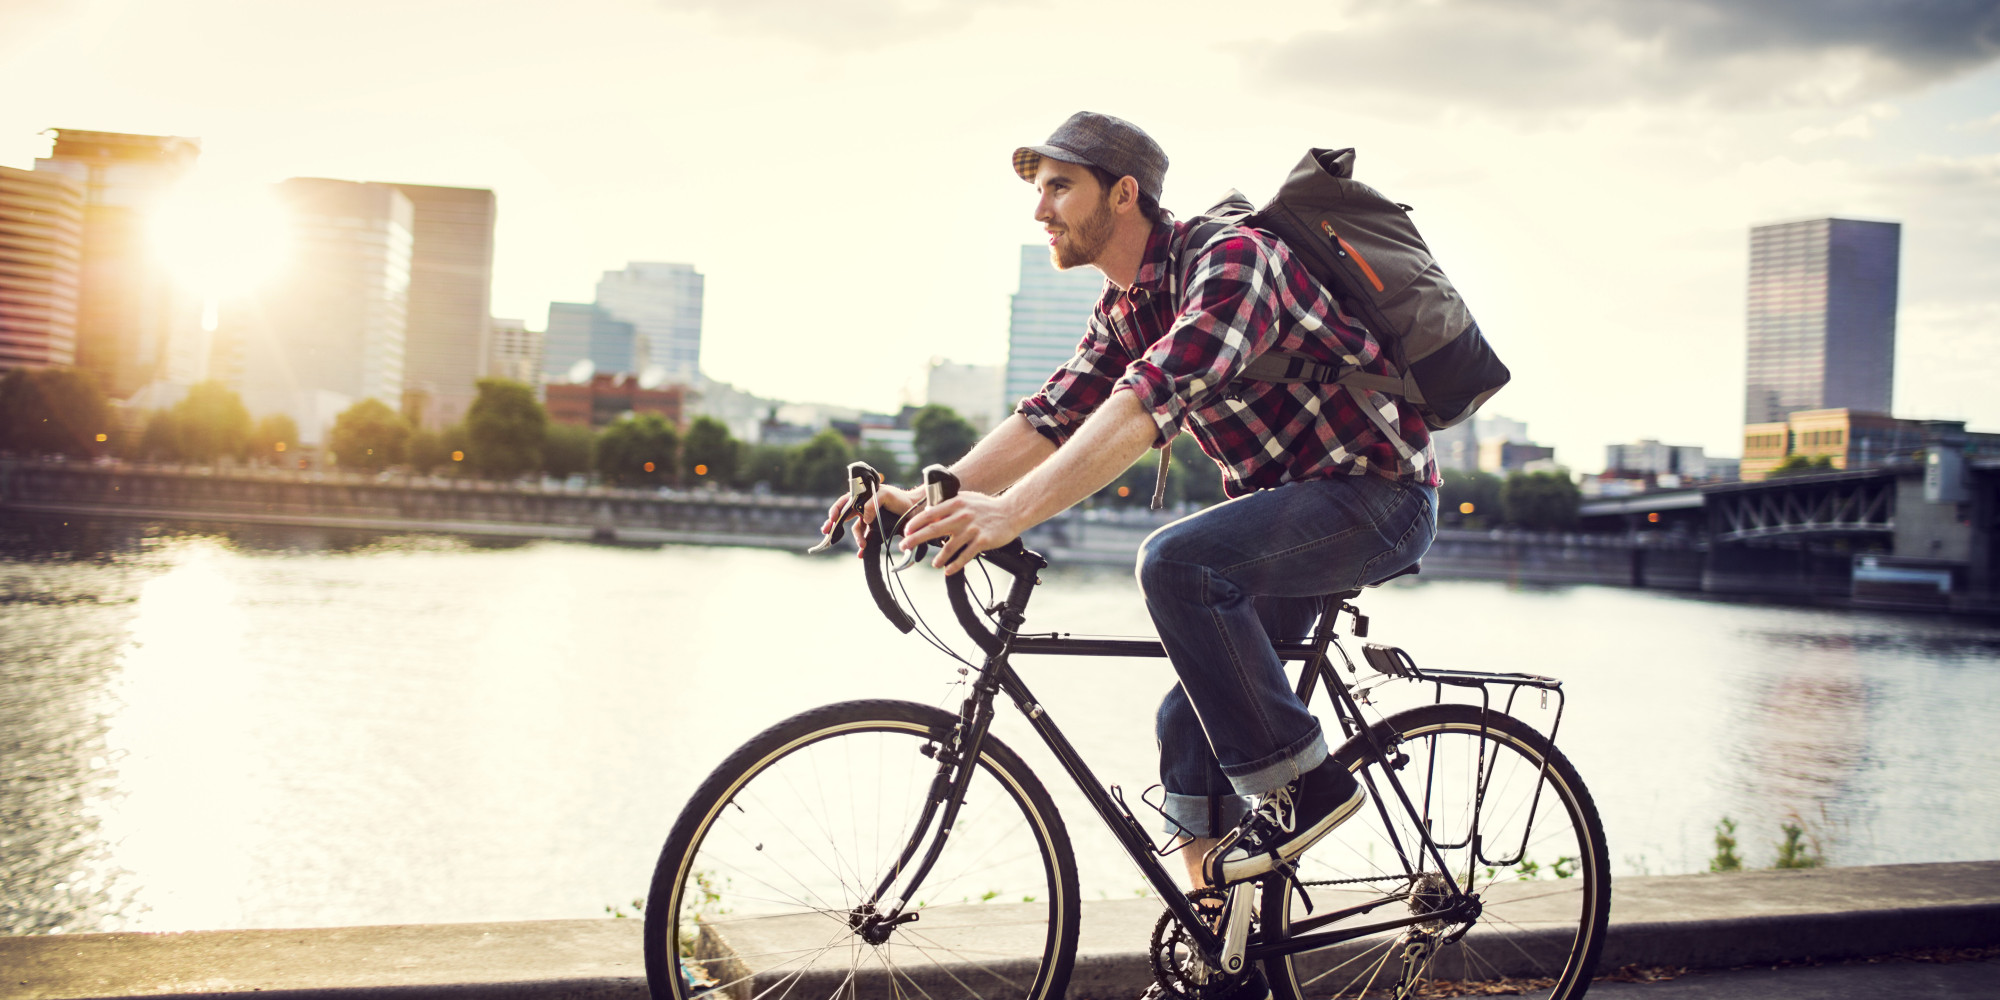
{"x":1202,"y":230}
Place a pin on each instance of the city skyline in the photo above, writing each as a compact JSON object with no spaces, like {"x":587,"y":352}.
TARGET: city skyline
{"x":1592,"y":207}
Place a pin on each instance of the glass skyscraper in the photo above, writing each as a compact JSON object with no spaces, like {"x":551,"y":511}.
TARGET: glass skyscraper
{"x":1822,"y":317}
{"x":1050,"y":314}
{"x":663,"y":303}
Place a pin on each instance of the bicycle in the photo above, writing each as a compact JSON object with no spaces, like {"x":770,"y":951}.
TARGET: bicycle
{"x":891,"y":848}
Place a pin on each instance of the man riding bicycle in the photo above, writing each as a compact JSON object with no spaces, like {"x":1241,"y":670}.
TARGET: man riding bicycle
{"x":1323,"y":497}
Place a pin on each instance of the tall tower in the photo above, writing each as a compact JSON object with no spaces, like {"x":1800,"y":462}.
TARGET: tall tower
{"x":41,"y":259}
{"x":448,"y":333}
{"x":330,"y":331}
{"x":1050,"y":315}
{"x":1822,"y":317}
{"x":129,"y":310}
{"x":663,"y":303}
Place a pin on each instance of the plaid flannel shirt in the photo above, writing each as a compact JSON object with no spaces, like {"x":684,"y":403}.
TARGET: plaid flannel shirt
{"x":1180,"y":354}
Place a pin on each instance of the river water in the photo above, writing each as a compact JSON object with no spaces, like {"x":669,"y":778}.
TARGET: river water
{"x":301,"y":728}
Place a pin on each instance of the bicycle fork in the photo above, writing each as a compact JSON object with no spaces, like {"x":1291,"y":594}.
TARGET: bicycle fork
{"x":956,"y":757}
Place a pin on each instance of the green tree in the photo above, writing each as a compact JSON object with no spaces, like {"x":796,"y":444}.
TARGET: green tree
{"x":161,"y":441}
{"x":710,"y":454}
{"x":212,"y":422}
{"x":566,"y":449}
{"x":884,"y":461}
{"x":1480,"y":490}
{"x":1800,"y":465}
{"x":506,"y":426}
{"x":273,"y":437}
{"x":1543,"y":501}
{"x":638,"y":450}
{"x":427,"y":451}
{"x":762,"y":463}
{"x":1192,"y":478}
{"x":54,"y":411}
{"x":942,"y":436}
{"x":819,"y":467}
{"x":369,"y":436}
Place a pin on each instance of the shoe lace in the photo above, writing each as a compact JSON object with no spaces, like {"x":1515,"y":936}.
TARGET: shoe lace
{"x":1276,"y":810}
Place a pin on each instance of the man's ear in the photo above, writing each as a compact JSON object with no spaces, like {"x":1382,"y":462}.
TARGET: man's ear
{"x":1125,"y":194}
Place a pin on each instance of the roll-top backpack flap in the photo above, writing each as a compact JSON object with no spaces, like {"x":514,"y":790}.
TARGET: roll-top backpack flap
{"x":1368,"y":253}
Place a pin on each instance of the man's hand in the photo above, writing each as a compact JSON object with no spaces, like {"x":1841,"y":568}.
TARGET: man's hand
{"x":897,"y":500}
{"x":974,"y":522}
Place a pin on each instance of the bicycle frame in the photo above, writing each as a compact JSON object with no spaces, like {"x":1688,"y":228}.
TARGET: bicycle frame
{"x":997,"y":676}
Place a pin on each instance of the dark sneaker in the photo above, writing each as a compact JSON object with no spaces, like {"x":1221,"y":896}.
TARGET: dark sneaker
{"x":1285,"y":822}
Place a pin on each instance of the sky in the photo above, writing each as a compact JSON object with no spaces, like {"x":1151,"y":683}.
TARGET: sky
{"x":1587,"y":171}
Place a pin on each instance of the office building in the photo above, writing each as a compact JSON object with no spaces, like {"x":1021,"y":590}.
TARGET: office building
{"x":130,"y":313}
{"x":1050,"y":314}
{"x":580,"y":332}
{"x":329,"y":331}
{"x":41,"y":263}
{"x":446,"y":330}
{"x":663,"y":304}
{"x":516,"y":353}
{"x":1821,"y":318}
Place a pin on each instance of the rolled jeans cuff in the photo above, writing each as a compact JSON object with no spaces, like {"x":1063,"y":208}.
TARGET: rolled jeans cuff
{"x":1260,"y":776}
{"x":1188,"y":815}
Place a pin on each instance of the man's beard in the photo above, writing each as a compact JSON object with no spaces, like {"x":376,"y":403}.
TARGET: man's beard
{"x":1082,"y":243}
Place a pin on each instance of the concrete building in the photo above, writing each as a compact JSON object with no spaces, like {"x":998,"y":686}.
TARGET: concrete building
{"x":447,"y":333}
{"x":132,"y":321}
{"x":663,"y":304}
{"x":1850,"y":440}
{"x":329,"y":331}
{"x":515,"y":353}
{"x":41,"y":265}
{"x":976,"y":392}
{"x":1821,"y":318}
{"x":1050,"y":313}
{"x":581,"y":331}
{"x":1457,"y":447}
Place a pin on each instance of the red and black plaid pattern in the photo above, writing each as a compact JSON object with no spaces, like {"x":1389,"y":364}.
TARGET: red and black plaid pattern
{"x":1181,"y":353}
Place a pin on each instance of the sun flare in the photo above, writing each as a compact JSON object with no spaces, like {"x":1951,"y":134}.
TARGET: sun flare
{"x":220,"y":241}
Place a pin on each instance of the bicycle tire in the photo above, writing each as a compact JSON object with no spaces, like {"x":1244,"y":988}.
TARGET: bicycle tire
{"x":996,"y":918}
{"x":1543,"y":916}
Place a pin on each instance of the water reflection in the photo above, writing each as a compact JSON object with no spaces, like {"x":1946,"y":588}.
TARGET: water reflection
{"x":290,"y":728}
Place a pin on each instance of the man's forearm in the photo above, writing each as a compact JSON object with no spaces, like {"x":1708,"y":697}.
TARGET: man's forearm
{"x":1104,"y":447}
{"x":1003,"y":456}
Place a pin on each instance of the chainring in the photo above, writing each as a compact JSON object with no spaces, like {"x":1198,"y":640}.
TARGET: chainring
{"x":1176,"y":960}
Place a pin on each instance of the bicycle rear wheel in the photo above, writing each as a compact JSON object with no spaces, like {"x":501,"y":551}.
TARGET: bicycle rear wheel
{"x":1537,"y":863}
{"x":763,"y":880}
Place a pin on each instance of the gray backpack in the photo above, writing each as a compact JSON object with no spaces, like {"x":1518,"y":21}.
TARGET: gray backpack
{"x":1365,"y":250}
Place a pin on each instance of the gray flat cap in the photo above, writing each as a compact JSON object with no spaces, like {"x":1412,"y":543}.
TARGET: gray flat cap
{"x":1113,"y":144}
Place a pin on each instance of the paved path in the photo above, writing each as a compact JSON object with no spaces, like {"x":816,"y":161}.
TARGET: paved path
{"x":1979,"y":980}
{"x":1694,"y":921}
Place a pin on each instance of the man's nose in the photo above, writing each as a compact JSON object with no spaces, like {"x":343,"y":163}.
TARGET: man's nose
{"x":1043,"y":213}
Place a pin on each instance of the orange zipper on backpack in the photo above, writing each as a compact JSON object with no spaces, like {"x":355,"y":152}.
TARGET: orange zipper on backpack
{"x":1348,"y":248}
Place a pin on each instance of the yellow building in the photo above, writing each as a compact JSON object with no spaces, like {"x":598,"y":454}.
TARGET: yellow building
{"x":1847,"y":439}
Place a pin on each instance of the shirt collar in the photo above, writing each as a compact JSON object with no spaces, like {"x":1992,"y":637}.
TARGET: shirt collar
{"x":1158,"y":259}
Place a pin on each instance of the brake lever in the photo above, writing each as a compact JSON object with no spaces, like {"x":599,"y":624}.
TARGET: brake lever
{"x":862,"y":482}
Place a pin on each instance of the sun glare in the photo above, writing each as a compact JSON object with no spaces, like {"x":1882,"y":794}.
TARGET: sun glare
{"x":219,"y":241}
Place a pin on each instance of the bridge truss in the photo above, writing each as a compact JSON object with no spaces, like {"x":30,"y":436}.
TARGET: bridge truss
{"x":1843,"y":504}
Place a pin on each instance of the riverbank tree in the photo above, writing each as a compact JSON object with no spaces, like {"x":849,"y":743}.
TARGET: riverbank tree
{"x":942,"y":436}
{"x":638,"y":450}
{"x":710,"y":453}
{"x":1540,"y":501}
{"x":54,"y":411}
{"x":505,"y":428}
{"x":369,"y":436}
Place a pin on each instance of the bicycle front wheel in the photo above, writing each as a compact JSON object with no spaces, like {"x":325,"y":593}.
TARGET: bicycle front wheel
{"x":1513,"y":824}
{"x":767,"y":879}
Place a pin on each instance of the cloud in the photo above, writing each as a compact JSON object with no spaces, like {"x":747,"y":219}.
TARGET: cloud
{"x":1539,"y":55}
{"x":840,"y":24}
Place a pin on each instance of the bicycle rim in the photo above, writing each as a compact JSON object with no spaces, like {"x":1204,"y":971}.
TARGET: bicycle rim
{"x":755,"y":893}
{"x":1538,"y":865}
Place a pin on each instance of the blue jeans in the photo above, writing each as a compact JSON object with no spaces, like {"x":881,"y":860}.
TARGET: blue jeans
{"x":1220,"y":585}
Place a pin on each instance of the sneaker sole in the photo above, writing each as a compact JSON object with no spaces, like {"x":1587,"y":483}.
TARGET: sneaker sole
{"x":1259,"y":864}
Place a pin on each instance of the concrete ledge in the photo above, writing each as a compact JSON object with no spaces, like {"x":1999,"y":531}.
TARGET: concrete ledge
{"x":1695,"y":921}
